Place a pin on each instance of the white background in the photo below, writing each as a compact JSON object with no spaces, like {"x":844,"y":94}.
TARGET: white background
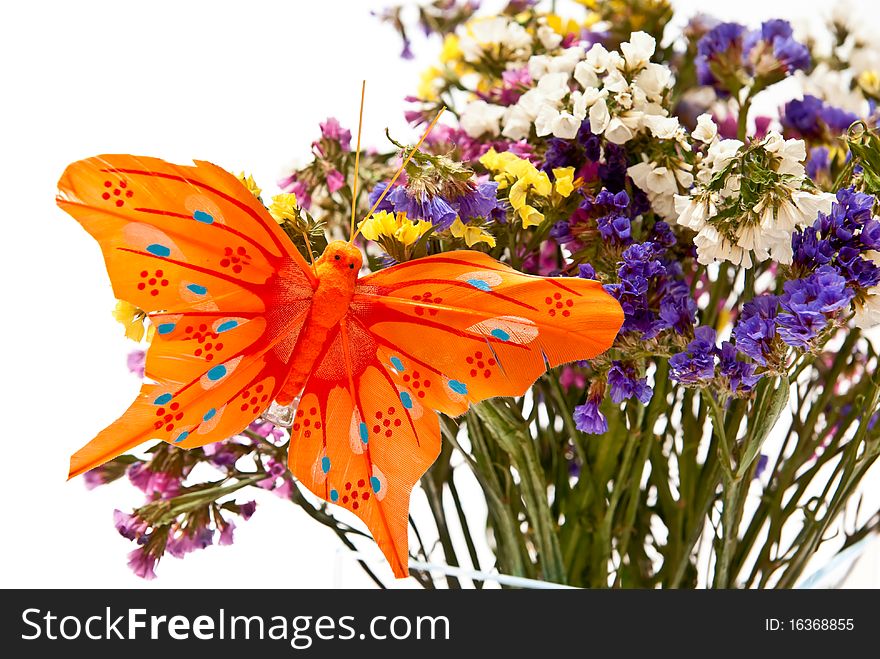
{"x":242,"y":84}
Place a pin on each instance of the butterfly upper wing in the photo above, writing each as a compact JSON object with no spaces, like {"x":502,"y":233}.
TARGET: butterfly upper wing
{"x":226,"y":291}
{"x":357,"y":443}
{"x":460,"y":327}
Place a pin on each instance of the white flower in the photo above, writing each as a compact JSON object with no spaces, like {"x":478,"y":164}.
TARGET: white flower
{"x":566,"y":126}
{"x":598,"y":58}
{"x":479,"y":118}
{"x":867,"y":314}
{"x":547,"y":115}
{"x":706,"y":130}
{"x":615,"y":83}
{"x":485,"y":34}
{"x":638,"y":50}
{"x":548,"y":37}
{"x":811,"y":204}
{"x":539,"y":66}
{"x":722,"y":152}
{"x":712,"y":246}
{"x":585,"y":75}
{"x":664,"y":128}
{"x":517,"y":123}
{"x":654,"y":79}
{"x":691,"y":212}
{"x":554,"y":86}
{"x":566,"y":62}
{"x":530,"y":103}
{"x":599,"y":117}
{"x":617,"y":132}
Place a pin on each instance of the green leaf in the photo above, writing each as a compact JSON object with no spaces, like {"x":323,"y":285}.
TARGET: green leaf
{"x":769,"y":409}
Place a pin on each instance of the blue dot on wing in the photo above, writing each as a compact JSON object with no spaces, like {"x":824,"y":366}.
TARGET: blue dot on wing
{"x":209,"y":414}
{"x":479,"y":283}
{"x":217,"y":372}
{"x":406,"y":399}
{"x":204,"y":217}
{"x":375,"y":484}
{"x":458,"y":387}
{"x":197,"y":289}
{"x":325,"y":464}
{"x":158,"y":250}
{"x":227,"y":325}
{"x":165,"y":328}
{"x":181,"y":437}
{"x":334,"y":495}
{"x":397,"y":364}
{"x":365,"y":435}
{"x":500,"y":334}
{"x":164,"y":398}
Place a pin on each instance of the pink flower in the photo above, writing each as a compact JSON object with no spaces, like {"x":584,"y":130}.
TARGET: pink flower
{"x":142,"y":563}
{"x":332,"y":130}
{"x":335,"y":181}
{"x":154,"y":484}
{"x":226,"y":534}
{"x":135,"y":361}
{"x":570,"y":377}
{"x":129,"y":526}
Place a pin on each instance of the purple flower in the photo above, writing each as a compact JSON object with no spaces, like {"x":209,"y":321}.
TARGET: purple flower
{"x":756,"y":328}
{"x":480,"y":202}
{"x":791,"y":54}
{"x":335,"y":181}
{"x":740,"y":376}
{"x":332,"y":130}
{"x":818,"y":162}
{"x":136,"y":361}
{"x":811,"y":117}
{"x":142,"y":563}
{"x":267,"y":430}
{"x":247,"y":509}
{"x":806,"y":304}
{"x":190,"y":540}
{"x":761,"y":467}
{"x":588,"y":418}
{"x":129,"y":525}
{"x":697,"y":364}
{"x":226,"y":534}
{"x":155,"y":484}
{"x":720,"y":49}
{"x":625,"y":384}
{"x":586,"y":271}
{"x":432,"y":208}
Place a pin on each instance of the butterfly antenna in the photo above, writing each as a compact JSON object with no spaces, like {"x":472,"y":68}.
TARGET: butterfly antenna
{"x":400,"y":169}
{"x":357,"y":162}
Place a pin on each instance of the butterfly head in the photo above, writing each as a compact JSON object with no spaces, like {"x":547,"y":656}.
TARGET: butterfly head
{"x":342,"y":257}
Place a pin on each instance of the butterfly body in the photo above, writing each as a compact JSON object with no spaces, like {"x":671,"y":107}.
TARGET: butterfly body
{"x":242,"y":320}
{"x":336,"y":271}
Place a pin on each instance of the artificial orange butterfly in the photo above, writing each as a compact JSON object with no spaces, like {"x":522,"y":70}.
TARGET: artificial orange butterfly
{"x":241,"y":320}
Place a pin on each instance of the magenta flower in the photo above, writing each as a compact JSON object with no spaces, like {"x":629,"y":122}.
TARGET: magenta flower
{"x":142,"y":563}
{"x":154,"y":484}
{"x":332,"y":130}
{"x":226,"y":534}
{"x":135,"y":361}
{"x":128,"y":525}
{"x":335,"y":181}
{"x":247,"y":510}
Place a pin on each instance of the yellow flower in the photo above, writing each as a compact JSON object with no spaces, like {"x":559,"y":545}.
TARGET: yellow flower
{"x":451,"y":49}
{"x":284,"y":207}
{"x":525,"y":181}
{"x":472,"y":235}
{"x":427,"y":89}
{"x":563,"y":26}
{"x":131,"y":318}
{"x":530,"y":216}
{"x":564,"y":180}
{"x":389,"y":225}
{"x":869,"y":81}
{"x":250,"y":184}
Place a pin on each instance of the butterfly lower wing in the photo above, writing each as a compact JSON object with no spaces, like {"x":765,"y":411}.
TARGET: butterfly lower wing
{"x":356,"y":443}
{"x":460,"y":327}
{"x":223,"y":287}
